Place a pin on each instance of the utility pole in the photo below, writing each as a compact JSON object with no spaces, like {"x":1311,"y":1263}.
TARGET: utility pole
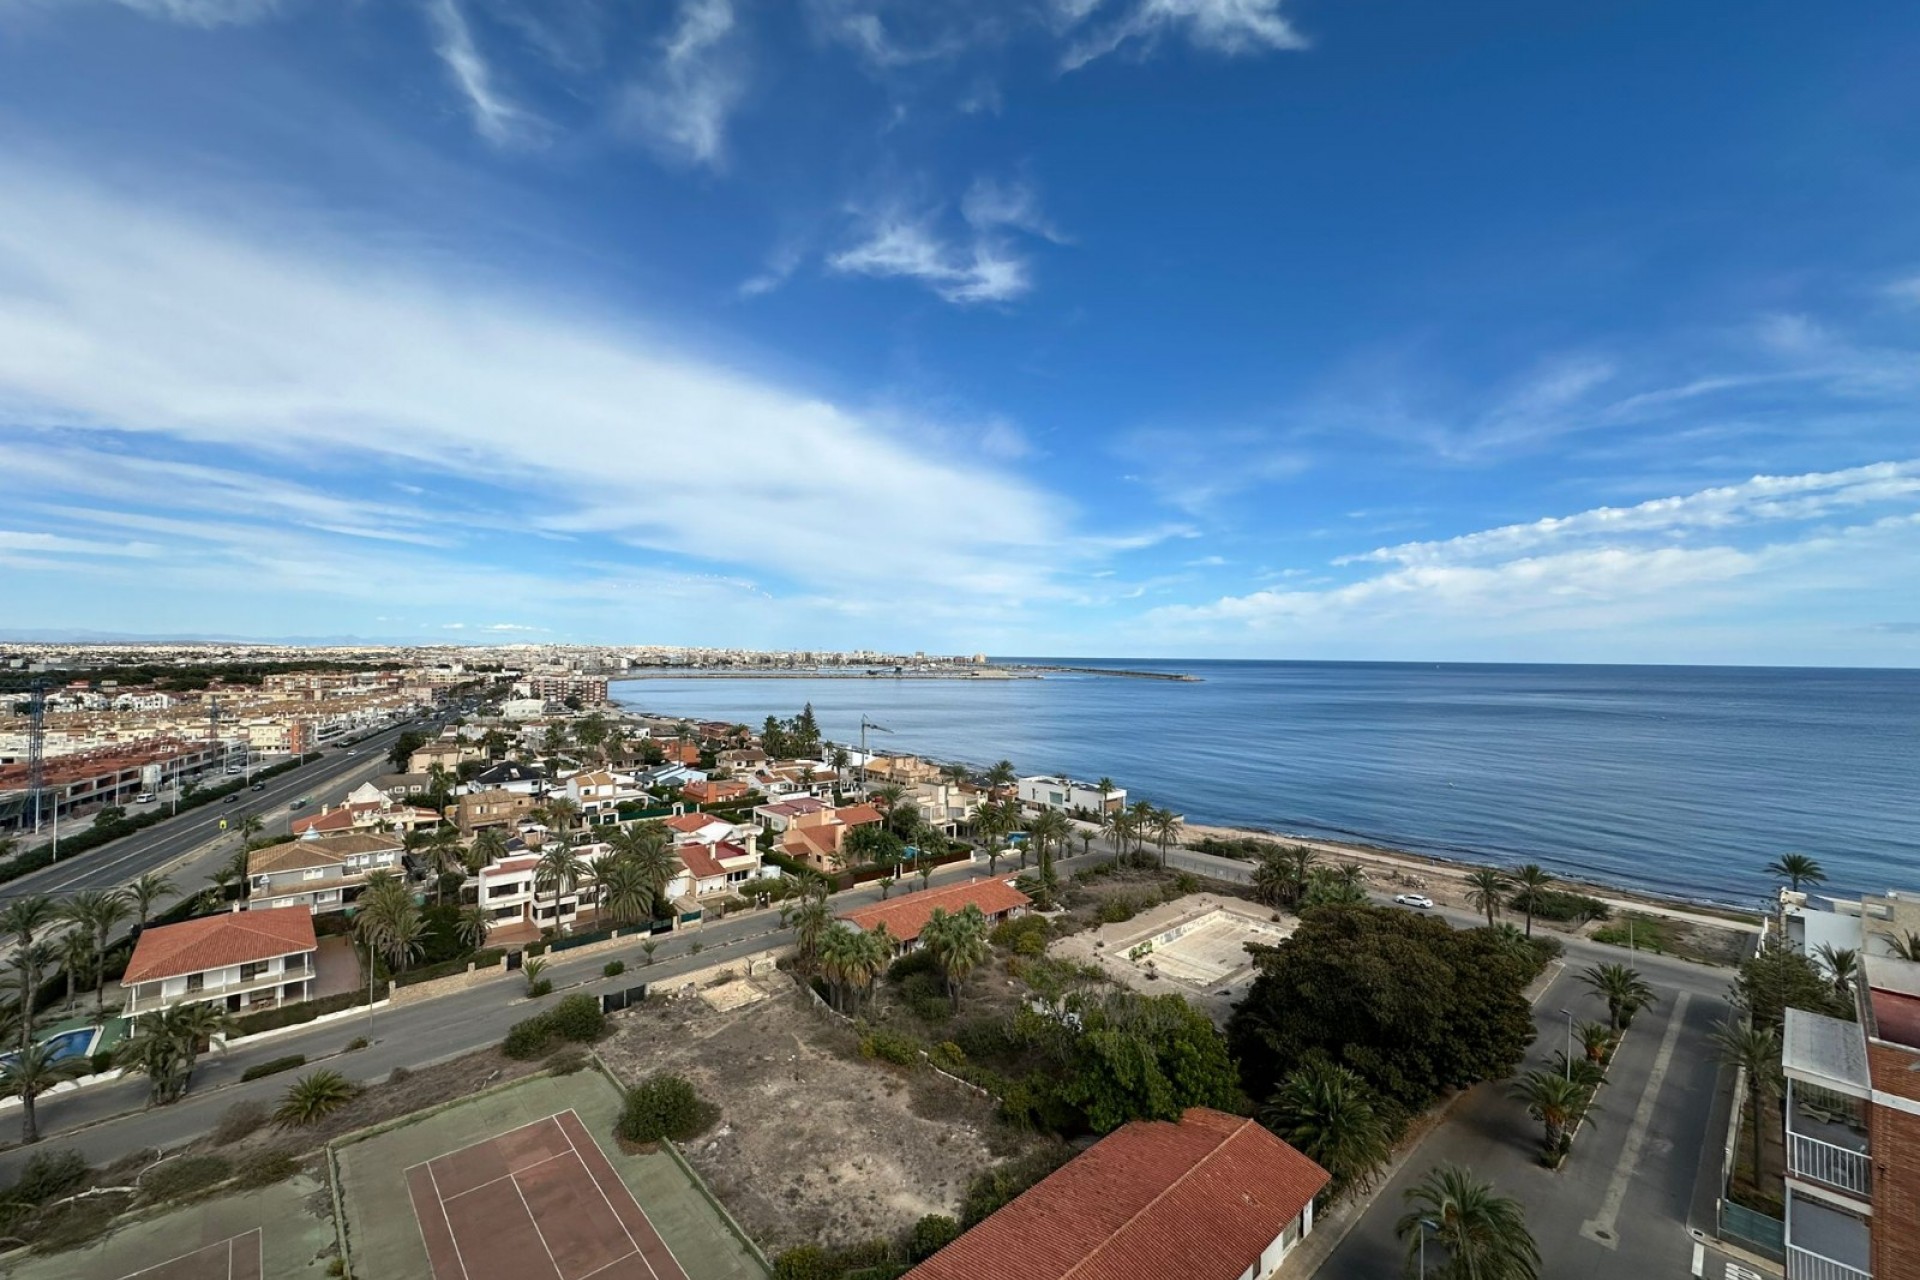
{"x":37,"y":749}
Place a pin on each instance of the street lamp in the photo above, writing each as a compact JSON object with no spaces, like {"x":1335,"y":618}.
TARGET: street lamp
{"x":1426,"y":1225}
{"x":1569,"y":1053}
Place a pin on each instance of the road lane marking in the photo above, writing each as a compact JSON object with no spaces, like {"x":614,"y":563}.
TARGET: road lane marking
{"x":1601,"y":1229}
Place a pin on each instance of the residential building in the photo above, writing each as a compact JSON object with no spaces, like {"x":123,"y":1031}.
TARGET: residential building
{"x":905,"y":770}
{"x":510,"y":775}
{"x":599,"y":793}
{"x":558,"y":688}
{"x":1068,"y":796}
{"x":715,"y":791}
{"x":445,"y":752}
{"x":1209,"y":1197}
{"x":494,"y":808}
{"x":817,"y":838}
{"x":1852,"y":1112}
{"x":703,"y":827}
{"x":778,"y":815}
{"x":1871,"y":924}
{"x":906,"y":915}
{"x":708,"y":869}
{"x":947,"y":805}
{"x":320,"y":873}
{"x":662,"y":777}
{"x":398,"y":786}
{"x":741,"y":760}
{"x":243,"y":960}
{"x":510,"y":892}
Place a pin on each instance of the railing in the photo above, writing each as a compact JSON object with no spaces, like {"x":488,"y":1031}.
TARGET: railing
{"x":1826,"y":1163}
{"x":1804,"y":1264}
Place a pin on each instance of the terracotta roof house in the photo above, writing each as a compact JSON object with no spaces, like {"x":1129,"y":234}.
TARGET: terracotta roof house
{"x":320,"y":873}
{"x":713,"y":867}
{"x":1211,"y":1197}
{"x":908,"y":914}
{"x":698,"y":826}
{"x":714,"y":790}
{"x":245,"y":959}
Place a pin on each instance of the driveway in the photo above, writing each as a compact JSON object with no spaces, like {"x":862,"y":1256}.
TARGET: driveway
{"x":1618,"y":1207}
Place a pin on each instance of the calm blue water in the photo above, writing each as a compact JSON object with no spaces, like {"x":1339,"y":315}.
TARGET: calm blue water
{"x":1683,"y":780}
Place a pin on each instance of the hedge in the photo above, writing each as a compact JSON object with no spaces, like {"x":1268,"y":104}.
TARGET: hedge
{"x":292,"y":1015}
{"x":577,"y":1018}
{"x":447,"y":968}
{"x":273,"y":1067}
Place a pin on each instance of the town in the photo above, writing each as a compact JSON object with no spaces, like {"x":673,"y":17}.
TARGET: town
{"x":334,"y":949}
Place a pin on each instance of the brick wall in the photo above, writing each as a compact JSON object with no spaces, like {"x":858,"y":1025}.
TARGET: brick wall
{"x":1895,"y":1138}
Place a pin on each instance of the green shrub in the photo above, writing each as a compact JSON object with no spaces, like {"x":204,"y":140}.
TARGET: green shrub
{"x":238,"y":1121}
{"x":1118,"y":910}
{"x":264,"y":1168}
{"x":527,"y":1040}
{"x":1560,"y":906}
{"x":930,"y":1235}
{"x":613,"y":968}
{"x":184,"y":1176}
{"x":890,"y":1046}
{"x":357,"y":1043}
{"x":291,"y":1015}
{"x":577,"y":1018}
{"x":566,"y":1062}
{"x":313,"y":1097}
{"x":920,"y":960}
{"x":1024,"y":935}
{"x":539,"y":987}
{"x":288,"y":1063}
{"x":48,"y":1174}
{"x":997,"y":1186}
{"x":663,"y":1106}
{"x":804,"y":1262}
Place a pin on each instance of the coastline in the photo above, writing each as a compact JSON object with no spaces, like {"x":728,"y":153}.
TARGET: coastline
{"x":1445,"y":878}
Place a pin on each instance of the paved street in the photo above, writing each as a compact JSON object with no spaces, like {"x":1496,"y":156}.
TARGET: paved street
{"x":189,"y":846}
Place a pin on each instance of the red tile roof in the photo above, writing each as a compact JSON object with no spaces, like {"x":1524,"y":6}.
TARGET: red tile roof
{"x":700,"y":860}
{"x":1199,"y":1200}
{"x":332,"y":820}
{"x":688,"y":823}
{"x":907,"y":915}
{"x":214,"y":942}
{"x":857,"y":815}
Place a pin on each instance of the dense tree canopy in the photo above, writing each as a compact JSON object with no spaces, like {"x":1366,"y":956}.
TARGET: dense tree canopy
{"x":1409,"y":1003}
{"x":1127,"y":1057}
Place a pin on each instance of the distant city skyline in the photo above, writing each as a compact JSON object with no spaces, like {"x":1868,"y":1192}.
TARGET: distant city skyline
{"x":1227,"y":328}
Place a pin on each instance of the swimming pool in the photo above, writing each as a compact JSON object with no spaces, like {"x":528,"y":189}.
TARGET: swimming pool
{"x":64,"y":1045}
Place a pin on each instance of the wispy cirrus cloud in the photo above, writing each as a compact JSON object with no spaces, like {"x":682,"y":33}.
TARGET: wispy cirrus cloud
{"x":496,"y":117}
{"x":978,"y":262}
{"x":681,"y":104}
{"x":1227,"y":27}
{"x":204,"y":13}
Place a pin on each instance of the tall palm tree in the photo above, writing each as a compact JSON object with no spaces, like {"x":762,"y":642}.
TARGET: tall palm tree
{"x":98,"y":913}
{"x":1554,"y":1099}
{"x":1106,"y":788}
{"x":1166,"y":831}
{"x":958,"y":941}
{"x":74,"y":949}
{"x":470,"y":926}
{"x":562,"y":813}
{"x":1907,"y":947}
{"x":955,"y":773}
{"x":838,"y":947}
{"x":1483,"y":1234}
{"x":1842,"y":964}
{"x":1486,"y":890}
{"x":1740,"y":1044}
{"x":649,"y":847}
{"x":1797,"y":869}
{"x":25,"y":918}
{"x":1117,"y":826}
{"x":30,"y":961}
{"x":443,"y":855}
{"x":387,"y":920}
{"x":1326,"y":1112}
{"x":489,"y":847}
{"x":810,"y":918}
{"x":558,"y":872}
{"x":1532,"y":881}
{"x":1624,"y":990}
{"x":1001,"y":775}
{"x":145,"y":892}
{"x":28,"y":1074}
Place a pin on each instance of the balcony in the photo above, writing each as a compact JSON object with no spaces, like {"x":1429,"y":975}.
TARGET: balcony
{"x":1824,"y":1243}
{"x":1827,"y":1140}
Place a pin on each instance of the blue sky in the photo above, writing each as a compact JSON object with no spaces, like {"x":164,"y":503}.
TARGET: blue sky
{"x":1503,"y":331}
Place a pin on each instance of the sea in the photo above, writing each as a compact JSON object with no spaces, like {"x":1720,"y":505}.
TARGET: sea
{"x":1680,"y":781}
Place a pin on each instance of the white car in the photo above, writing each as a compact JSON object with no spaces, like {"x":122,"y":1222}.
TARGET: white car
{"x":145,"y":797}
{"x":1419,"y":900}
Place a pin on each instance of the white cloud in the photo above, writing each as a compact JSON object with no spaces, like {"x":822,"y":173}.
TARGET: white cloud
{"x":117,"y":317}
{"x":497,"y":117}
{"x":682,"y":104}
{"x":205,"y":13}
{"x":982,"y":265}
{"x":1229,"y":27}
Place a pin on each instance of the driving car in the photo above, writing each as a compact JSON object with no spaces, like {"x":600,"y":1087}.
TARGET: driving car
{"x":145,"y":797}
{"x":259,"y":786}
{"x":1420,"y":900}
{"x":230,"y":799}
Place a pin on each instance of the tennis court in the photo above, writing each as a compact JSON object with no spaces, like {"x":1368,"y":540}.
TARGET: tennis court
{"x":241,"y":1257}
{"x":535,"y":1202}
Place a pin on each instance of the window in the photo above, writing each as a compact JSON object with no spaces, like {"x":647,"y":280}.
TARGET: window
{"x":196,"y":982}
{"x":314,"y":873}
{"x":252,"y":970}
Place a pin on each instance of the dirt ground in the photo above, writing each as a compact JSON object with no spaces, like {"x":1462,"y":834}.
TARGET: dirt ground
{"x":814,"y":1144}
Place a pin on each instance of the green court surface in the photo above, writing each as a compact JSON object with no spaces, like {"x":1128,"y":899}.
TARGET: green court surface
{"x":293,"y":1218}
{"x":384,"y":1239}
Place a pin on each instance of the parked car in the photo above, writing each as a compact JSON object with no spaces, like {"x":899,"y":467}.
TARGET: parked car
{"x":145,"y":797}
{"x":1420,"y":900}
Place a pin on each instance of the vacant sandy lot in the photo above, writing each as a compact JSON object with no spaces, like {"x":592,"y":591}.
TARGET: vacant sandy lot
{"x":814,"y":1143}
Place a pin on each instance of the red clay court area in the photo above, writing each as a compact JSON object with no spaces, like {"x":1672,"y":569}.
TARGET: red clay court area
{"x":238,"y":1258}
{"x":539,"y":1201}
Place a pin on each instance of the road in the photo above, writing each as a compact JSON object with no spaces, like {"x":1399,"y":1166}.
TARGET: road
{"x":189,"y":845}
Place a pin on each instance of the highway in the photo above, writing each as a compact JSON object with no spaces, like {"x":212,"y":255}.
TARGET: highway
{"x":190,"y":845}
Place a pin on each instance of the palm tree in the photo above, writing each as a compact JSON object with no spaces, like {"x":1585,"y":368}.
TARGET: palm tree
{"x":1797,"y":869}
{"x":558,"y":872}
{"x":837,"y":957}
{"x":471,"y":925}
{"x":1908,"y":947}
{"x":1326,"y":1112}
{"x":955,"y":773}
{"x":562,"y":813}
{"x":313,"y":1097}
{"x":1117,"y":826}
{"x":146,"y":891}
{"x":30,"y":962}
{"x":387,"y":921}
{"x":1484,"y":1235}
{"x":1554,"y":1100}
{"x":958,"y":941}
{"x":1486,"y":889}
{"x":28,"y":1074}
{"x":489,"y":847}
{"x":1049,"y":831}
{"x":1843,"y":963}
{"x":1166,"y":831}
{"x":1532,"y":881}
{"x":627,"y":894}
{"x":1742,"y":1045}
{"x":650,"y":848}
{"x":1001,"y":775}
{"x":97,"y":913}
{"x":444,"y":854}
{"x":165,"y":1045}
{"x":26,"y":917}
{"x":1624,"y":990}
{"x":1106,"y":788}
{"x":74,"y":950}
{"x":810,"y":919}
{"x":1595,"y":1039}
